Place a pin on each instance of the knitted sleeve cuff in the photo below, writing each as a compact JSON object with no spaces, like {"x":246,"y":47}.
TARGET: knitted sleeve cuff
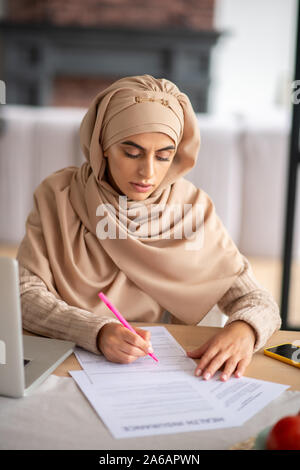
{"x":248,"y":301}
{"x":44,"y":314}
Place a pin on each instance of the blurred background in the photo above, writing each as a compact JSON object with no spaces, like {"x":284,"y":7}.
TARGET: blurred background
{"x":235,"y":60}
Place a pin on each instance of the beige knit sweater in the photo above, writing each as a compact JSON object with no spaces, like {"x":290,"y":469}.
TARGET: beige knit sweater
{"x":46,"y":315}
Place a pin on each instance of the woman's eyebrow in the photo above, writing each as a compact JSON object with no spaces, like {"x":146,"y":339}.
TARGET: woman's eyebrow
{"x":133,"y":144}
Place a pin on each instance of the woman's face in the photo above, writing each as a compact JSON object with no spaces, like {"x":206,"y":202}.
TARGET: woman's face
{"x":139,"y":159}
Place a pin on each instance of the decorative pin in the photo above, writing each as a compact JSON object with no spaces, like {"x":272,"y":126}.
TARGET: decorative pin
{"x":140,"y":99}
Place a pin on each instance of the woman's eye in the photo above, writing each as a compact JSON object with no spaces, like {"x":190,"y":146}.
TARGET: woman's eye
{"x":161,"y":159}
{"x":130,"y":155}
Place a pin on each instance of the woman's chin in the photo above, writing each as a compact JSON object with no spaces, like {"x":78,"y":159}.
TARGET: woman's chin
{"x":138,"y":197}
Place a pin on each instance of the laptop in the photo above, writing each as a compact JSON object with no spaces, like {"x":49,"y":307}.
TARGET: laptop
{"x":25,"y":361}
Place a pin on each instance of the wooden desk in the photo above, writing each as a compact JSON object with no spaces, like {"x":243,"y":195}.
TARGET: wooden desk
{"x":191,"y":337}
{"x":65,"y":423}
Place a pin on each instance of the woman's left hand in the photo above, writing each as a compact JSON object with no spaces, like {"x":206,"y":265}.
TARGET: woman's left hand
{"x":231,"y":348}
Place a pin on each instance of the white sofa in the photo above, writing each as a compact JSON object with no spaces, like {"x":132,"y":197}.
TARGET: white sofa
{"x":242,"y":165}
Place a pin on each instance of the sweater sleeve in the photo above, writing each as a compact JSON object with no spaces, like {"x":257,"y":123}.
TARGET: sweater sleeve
{"x":248,"y":301}
{"x":44,"y":314}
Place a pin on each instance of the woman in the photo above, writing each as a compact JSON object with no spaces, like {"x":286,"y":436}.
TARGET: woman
{"x":106,"y":226}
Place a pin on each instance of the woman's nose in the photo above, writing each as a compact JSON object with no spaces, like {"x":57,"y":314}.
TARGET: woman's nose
{"x":146,"y":168}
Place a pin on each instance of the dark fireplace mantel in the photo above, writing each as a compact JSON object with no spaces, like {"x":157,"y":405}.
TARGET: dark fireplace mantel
{"x":33,"y":55}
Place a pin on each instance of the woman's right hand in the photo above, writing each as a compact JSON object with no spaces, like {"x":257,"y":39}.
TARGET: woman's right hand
{"x":118,"y":344}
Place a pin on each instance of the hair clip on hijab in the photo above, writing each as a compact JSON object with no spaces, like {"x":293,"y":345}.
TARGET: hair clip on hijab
{"x":140,"y":99}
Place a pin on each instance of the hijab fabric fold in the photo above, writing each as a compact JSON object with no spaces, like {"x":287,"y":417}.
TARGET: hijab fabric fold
{"x":155,"y":258}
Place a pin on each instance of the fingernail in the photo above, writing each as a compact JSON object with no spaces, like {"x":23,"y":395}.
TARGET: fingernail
{"x":206,"y":376}
{"x":198,"y":372}
{"x":238,"y":375}
{"x":150,"y":350}
{"x":224,"y":377}
{"x":190,"y":353}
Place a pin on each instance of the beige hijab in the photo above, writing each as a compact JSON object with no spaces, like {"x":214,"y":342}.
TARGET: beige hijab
{"x":183,"y":267}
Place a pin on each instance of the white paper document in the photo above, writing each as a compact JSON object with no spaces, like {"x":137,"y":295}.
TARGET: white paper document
{"x":147,"y":398}
{"x":172,"y":357}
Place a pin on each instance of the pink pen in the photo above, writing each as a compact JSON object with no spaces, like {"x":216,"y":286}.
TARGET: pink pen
{"x":121,"y":318}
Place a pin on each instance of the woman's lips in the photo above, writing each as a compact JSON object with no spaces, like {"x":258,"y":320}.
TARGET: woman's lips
{"x":141,"y":189}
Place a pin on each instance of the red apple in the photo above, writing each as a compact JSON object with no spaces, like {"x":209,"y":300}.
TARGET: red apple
{"x":285,"y":434}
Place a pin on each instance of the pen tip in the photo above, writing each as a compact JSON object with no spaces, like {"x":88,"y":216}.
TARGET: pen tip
{"x":153,"y":357}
